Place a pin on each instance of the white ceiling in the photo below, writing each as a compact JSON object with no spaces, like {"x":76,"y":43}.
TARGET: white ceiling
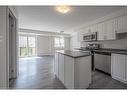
{"x":46,"y":18}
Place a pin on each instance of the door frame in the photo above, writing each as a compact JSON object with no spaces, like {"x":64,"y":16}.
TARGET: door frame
{"x":15,"y":58}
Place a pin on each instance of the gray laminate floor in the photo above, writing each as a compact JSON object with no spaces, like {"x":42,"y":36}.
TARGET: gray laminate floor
{"x":37,"y":73}
{"x":104,"y":81}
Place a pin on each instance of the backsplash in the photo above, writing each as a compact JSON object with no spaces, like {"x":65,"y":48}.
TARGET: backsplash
{"x":120,"y":43}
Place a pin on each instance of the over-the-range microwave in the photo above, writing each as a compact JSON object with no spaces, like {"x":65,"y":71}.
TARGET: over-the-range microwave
{"x":90,"y":37}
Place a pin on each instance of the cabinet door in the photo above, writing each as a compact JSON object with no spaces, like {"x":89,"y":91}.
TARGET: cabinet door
{"x":110,"y":30}
{"x":94,"y":28}
{"x":69,"y":72}
{"x":56,"y":64}
{"x":126,"y":68}
{"x":87,"y":30}
{"x":118,"y":66}
{"x":61,"y":68}
{"x":122,"y":24}
{"x":80,"y":36}
{"x":102,"y":62}
{"x":100,"y":32}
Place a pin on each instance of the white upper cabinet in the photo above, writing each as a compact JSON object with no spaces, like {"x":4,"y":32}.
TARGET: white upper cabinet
{"x":100,"y":32}
{"x":122,"y":24}
{"x":87,"y":30}
{"x":110,"y":30}
{"x":107,"y":30}
{"x":93,"y":28}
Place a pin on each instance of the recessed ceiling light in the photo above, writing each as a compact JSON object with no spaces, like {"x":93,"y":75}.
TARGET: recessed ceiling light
{"x":63,"y":9}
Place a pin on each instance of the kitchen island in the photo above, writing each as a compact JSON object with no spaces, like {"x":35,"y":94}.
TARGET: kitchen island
{"x":73,"y":68}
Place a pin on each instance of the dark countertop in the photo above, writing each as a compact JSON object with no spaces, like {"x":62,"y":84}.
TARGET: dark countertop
{"x":107,"y":50}
{"x":117,"y":51}
{"x":74,"y":54}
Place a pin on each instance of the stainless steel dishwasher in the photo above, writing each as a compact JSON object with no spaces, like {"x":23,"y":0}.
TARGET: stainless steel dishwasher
{"x":102,"y":61}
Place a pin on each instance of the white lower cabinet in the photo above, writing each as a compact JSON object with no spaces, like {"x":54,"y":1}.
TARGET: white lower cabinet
{"x":119,"y":67}
{"x":61,"y":67}
{"x":69,"y":72}
{"x":56,"y":64}
{"x":73,"y":72}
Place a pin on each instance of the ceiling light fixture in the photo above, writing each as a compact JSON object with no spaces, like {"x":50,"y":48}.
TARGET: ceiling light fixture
{"x":63,"y":9}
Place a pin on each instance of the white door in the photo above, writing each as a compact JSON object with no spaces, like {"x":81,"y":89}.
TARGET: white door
{"x":69,"y":72}
{"x":61,"y":67}
{"x":118,"y":66}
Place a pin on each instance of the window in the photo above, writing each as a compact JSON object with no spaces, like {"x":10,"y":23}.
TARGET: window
{"x":59,"y":42}
{"x":27,"y":46}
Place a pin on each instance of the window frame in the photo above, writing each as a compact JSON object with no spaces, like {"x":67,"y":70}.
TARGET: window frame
{"x":60,"y":45}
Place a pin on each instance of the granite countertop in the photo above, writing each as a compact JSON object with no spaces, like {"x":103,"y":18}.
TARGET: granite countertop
{"x":106,"y":50}
{"x":74,"y":54}
{"x":117,"y":51}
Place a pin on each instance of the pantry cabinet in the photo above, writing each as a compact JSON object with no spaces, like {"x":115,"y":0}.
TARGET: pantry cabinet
{"x":119,"y":67}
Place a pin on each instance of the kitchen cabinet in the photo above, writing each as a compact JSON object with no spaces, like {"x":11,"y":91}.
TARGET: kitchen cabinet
{"x":80,"y":36}
{"x":101,"y":31}
{"x":122,"y":24}
{"x":69,"y":72}
{"x":61,"y":67}
{"x":94,"y":28}
{"x":107,"y":30}
{"x":118,"y":67}
{"x":87,"y":30}
{"x":56,"y":64}
{"x":110,"y":30}
{"x":73,"y":72}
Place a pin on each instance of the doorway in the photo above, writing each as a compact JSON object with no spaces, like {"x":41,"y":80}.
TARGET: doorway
{"x":12,"y":45}
{"x":27,"y":46}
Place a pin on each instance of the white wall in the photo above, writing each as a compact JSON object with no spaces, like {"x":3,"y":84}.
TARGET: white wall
{"x":67,"y":43}
{"x":43,"y":45}
{"x":74,"y":41}
{"x":45,"y":41}
{"x":3,"y":58}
